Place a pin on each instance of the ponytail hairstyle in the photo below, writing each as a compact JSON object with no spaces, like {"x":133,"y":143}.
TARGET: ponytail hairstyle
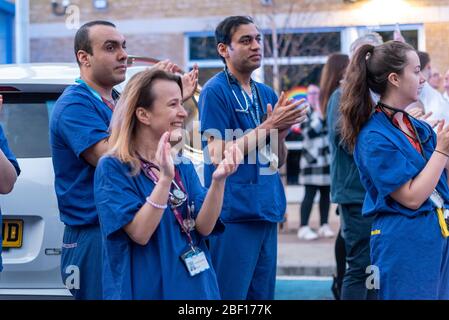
{"x":368,"y":70}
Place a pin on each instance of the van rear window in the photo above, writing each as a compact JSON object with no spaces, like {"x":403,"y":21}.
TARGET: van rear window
{"x":25,"y":121}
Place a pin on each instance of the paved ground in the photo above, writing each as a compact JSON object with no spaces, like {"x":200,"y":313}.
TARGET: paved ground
{"x":300,"y":257}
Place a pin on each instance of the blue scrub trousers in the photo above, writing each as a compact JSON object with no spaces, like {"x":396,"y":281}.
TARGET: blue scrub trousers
{"x":82,"y":250}
{"x":412,"y":257}
{"x":244,"y":258}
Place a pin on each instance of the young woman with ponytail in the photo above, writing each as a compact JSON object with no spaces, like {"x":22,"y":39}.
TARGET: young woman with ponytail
{"x":403,"y":166}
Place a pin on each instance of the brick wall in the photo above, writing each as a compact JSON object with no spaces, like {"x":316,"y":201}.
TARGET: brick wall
{"x":52,"y":50}
{"x":154,"y":45}
{"x":136,"y":9}
{"x":437,"y":45}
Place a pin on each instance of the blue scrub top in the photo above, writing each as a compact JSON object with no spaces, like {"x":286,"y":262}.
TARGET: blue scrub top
{"x":387,"y":160}
{"x":155,"y":270}
{"x":79,"y":120}
{"x":249,"y":195}
{"x":12,"y":158}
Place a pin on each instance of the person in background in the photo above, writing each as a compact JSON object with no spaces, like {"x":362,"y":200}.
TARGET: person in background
{"x":431,"y":100}
{"x":435,"y":80}
{"x":294,"y":155}
{"x":9,"y":171}
{"x":348,"y":192}
{"x":331,"y":78}
{"x":313,"y":96}
{"x":446,"y":86}
{"x":314,"y":172}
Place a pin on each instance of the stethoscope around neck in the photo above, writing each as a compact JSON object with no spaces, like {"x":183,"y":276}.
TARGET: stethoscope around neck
{"x":241,"y":108}
{"x":383,"y":106}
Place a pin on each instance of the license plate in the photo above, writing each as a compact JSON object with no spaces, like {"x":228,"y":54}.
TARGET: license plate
{"x":12,"y":232}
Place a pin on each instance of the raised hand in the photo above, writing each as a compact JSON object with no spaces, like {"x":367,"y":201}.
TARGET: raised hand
{"x":442,"y":138}
{"x":229,"y":164}
{"x":167,"y":66}
{"x":164,"y":158}
{"x":189,"y":83}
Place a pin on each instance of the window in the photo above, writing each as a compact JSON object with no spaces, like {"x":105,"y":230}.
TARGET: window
{"x":304,"y":44}
{"x":203,"y":48}
{"x":410,"y":36}
{"x":25,"y":121}
{"x":301,"y":55}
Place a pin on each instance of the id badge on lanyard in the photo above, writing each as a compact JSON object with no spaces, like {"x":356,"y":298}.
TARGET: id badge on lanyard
{"x":195,"y":261}
{"x":443,"y":214}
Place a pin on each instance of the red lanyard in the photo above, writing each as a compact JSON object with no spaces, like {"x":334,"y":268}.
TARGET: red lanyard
{"x":146,"y":168}
{"x":108,"y":103}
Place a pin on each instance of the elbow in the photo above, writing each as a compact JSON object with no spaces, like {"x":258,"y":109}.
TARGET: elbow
{"x":413,"y":204}
{"x":204,"y":232}
{"x":6,"y":189}
{"x":140,"y":239}
{"x":139,"y":236}
{"x":7,"y":186}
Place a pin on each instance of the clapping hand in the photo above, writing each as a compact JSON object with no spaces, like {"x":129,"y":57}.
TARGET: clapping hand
{"x":189,"y":83}
{"x":286,"y":113}
{"x":164,"y":159}
{"x":229,"y":164}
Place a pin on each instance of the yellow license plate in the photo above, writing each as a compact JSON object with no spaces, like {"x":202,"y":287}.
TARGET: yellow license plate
{"x":12,"y":232}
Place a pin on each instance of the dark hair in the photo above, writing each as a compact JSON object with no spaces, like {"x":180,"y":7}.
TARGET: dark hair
{"x":333,"y":72}
{"x":82,"y":40}
{"x":424,"y":59}
{"x":226,"y":29}
{"x":368,"y":70}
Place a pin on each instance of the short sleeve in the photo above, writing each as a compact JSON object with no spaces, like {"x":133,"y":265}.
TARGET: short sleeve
{"x":215,"y":116}
{"x":116,"y":200}
{"x":383,"y":163}
{"x":8,"y":153}
{"x":81,"y":127}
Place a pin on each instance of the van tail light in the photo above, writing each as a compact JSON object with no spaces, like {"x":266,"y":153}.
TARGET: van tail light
{"x":8,"y":89}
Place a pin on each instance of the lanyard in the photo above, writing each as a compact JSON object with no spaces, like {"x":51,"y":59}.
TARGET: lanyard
{"x":177,"y":182}
{"x":254,"y":111}
{"x":110,"y":104}
{"x":381,"y":106}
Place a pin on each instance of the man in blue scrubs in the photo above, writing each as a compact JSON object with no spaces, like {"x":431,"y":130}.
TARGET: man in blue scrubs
{"x":9,"y":170}
{"x":78,"y":133}
{"x":244,"y":257}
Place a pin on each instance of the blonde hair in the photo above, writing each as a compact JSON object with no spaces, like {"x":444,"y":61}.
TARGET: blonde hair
{"x":137,"y":93}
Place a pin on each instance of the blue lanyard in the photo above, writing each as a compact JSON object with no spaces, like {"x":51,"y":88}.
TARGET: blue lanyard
{"x":254,"y":111}
{"x":109,"y":104}
{"x":254,"y":104}
{"x":92,"y":91}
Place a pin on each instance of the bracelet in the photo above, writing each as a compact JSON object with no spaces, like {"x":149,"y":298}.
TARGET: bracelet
{"x":447,"y":155}
{"x":154,"y":204}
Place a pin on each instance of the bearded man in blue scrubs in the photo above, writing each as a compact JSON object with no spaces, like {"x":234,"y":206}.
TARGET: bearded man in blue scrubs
{"x":235,"y":108}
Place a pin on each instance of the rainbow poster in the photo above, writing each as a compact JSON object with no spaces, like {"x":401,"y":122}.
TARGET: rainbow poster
{"x":298,"y":92}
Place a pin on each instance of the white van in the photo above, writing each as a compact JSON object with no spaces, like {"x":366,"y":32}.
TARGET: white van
{"x":32,"y":232}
